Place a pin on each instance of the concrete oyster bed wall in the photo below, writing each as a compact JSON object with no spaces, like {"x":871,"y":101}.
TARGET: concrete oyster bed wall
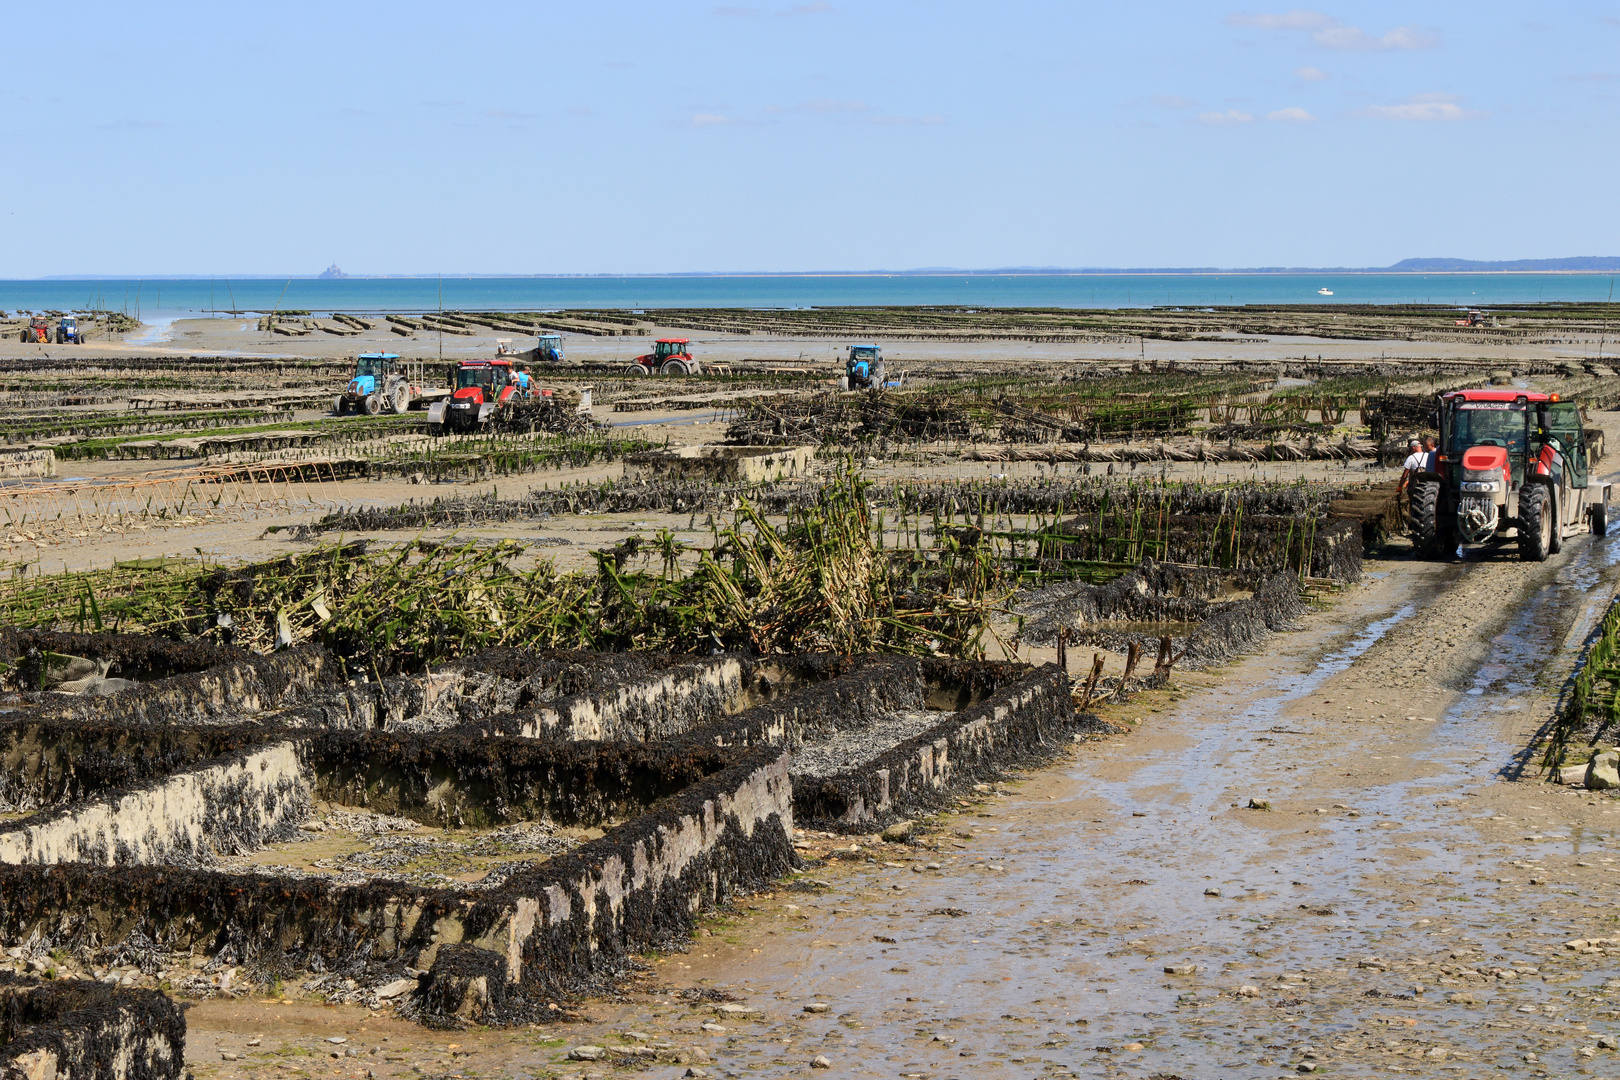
{"x":691,"y":756}
{"x":88,"y":1031}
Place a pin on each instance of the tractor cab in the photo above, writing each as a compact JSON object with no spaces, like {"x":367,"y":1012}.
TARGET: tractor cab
{"x":481,"y":386}
{"x":67,"y":331}
{"x":372,"y":364}
{"x":478,"y":381}
{"x":864,"y":368}
{"x":670,"y":356}
{"x":368,"y":368}
{"x":548,"y":349}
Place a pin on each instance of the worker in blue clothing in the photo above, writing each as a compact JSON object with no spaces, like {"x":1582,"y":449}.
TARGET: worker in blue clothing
{"x":523,"y":379}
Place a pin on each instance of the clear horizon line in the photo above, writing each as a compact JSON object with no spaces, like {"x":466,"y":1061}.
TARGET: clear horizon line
{"x":1484,"y":267}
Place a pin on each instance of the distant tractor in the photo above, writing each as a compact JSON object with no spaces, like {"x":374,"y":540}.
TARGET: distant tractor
{"x":382,"y":383}
{"x":864,"y":369}
{"x":548,"y":349}
{"x":1508,"y":461}
{"x":67,"y":331}
{"x":670,"y":356}
{"x":1472,"y":317}
{"x":38,"y":331}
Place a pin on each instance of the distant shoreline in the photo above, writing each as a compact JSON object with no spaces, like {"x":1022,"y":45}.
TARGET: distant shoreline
{"x":764,"y":275}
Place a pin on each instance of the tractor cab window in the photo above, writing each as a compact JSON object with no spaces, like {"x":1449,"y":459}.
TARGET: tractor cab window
{"x":858,"y":354}
{"x":1562,"y":419}
{"x":1491,"y":424}
{"x":475,"y":376}
{"x":666,"y":349}
{"x":367,"y":365}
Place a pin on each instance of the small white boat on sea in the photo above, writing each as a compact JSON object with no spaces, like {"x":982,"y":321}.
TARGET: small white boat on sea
{"x":1324,"y":292}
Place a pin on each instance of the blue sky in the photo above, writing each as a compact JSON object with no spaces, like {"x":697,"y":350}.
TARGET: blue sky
{"x":826,"y":135}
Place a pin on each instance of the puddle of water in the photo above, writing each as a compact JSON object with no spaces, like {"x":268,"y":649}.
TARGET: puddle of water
{"x":159,"y":328}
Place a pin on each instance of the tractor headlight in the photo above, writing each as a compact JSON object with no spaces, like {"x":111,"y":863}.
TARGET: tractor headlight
{"x":1482,"y":485}
{"x":461,"y":405}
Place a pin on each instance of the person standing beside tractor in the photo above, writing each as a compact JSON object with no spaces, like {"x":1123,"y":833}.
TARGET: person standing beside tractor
{"x":523,"y":380}
{"x":1410,"y":467}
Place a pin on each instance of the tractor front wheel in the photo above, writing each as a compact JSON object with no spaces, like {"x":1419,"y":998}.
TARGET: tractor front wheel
{"x":1422,"y":520}
{"x":337,"y":406}
{"x":1600,"y":519}
{"x":373,"y":404}
{"x":635,"y":370}
{"x":1535,"y":524}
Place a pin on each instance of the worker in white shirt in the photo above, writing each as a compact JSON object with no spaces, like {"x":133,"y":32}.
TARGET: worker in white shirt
{"x":1409,"y":468}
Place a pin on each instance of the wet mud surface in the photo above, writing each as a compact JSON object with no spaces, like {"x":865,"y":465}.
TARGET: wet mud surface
{"x":1413,"y":901}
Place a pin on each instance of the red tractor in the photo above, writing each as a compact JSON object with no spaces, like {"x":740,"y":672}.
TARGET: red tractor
{"x":482,"y":386}
{"x":38,"y":331}
{"x":670,"y":356}
{"x":1508,"y":461}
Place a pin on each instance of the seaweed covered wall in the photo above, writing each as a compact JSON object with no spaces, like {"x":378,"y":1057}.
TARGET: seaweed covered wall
{"x":88,"y":1031}
{"x":222,"y":694}
{"x":1221,"y":613}
{"x":576,"y":919}
{"x":1237,"y":627}
{"x":651,"y":707}
{"x":144,"y":786}
{"x":563,"y":925}
{"x":134,"y":656}
{"x":50,"y":763}
{"x":457,"y":780}
{"x":228,"y":805}
{"x":1020,"y":721}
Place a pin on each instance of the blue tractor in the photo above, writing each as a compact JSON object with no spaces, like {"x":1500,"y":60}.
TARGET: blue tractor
{"x":379,"y":384}
{"x":865,"y":370}
{"x":548,"y":349}
{"x":67,"y":331}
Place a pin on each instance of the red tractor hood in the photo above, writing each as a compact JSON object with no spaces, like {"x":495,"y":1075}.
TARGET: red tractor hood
{"x":1485,"y":458}
{"x":472,"y":394}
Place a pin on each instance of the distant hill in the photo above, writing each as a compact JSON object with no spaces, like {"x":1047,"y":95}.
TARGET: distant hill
{"x":1524,"y":266}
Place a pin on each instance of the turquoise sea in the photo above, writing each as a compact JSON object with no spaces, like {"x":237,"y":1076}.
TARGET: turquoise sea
{"x":155,"y":298}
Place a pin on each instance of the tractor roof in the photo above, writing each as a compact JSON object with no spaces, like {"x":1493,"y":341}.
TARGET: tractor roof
{"x":379,"y":356}
{"x":673,"y":340}
{"x":1495,"y":395}
{"x":499,"y":361}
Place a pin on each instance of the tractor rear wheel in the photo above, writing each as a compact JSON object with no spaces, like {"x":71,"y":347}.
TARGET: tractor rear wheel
{"x":1600,"y":519}
{"x":402,"y":399}
{"x":373,"y":404}
{"x":675,"y":367}
{"x":1422,"y":519}
{"x":1535,"y":524}
{"x":1556,"y":543}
